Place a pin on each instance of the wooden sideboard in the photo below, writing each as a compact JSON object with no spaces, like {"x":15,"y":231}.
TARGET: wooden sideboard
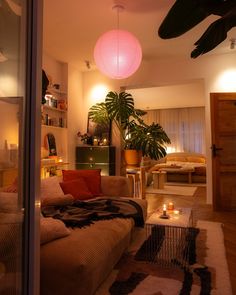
{"x":96,"y":157}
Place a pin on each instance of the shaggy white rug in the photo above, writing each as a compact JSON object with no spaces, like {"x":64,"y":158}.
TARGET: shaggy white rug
{"x":167,"y":281}
{"x":172,"y":190}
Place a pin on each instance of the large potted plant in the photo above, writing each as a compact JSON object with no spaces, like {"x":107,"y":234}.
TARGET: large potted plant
{"x":151,"y":139}
{"x":135,"y":135}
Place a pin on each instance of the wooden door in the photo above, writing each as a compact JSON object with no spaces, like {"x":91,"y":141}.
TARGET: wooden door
{"x":223,"y":126}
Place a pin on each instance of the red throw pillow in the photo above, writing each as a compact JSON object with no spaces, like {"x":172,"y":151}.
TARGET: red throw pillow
{"x":77,"y":188}
{"x":92,"y":178}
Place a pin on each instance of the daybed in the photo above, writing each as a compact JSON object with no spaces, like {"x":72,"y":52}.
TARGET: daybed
{"x":182,"y":167}
{"x":79,"y":261}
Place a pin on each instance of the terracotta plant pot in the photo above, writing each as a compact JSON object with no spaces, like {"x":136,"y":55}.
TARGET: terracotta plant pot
{"x":132,"y":157}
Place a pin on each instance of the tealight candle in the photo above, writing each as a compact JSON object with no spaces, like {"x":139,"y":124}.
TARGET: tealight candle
{"x":176,"y":212}
{"x":170,"y":206}
{"x":95,"y":141}
{"x":164,"y":209}
{"x":60,"y":160}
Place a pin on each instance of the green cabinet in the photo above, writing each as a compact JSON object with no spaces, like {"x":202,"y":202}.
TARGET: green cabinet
{"x":96,"y":157}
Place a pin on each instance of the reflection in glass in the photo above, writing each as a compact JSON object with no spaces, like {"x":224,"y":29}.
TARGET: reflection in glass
{"x":12,"y":69}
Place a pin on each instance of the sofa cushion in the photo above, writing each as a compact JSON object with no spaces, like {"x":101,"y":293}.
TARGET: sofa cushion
{"x":50,"y":187}
{"x":92,"y":178}
{"x":196,"y":159}
{"x":79,"y":263}
{"x":77,"y":188}
{"x":52,"y":229}
{"x":176,"y":158}
{"x":61,"y":200}
{"x":115,"y":186}
{"x":8,"y":202}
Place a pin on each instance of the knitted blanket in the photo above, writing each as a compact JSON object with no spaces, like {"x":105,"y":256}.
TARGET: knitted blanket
{"x":81,"y":213}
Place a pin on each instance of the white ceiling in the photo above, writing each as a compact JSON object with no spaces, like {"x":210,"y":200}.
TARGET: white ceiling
{"x":71,"y":28}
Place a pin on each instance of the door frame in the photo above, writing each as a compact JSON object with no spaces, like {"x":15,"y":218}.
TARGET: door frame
{"x":214,"y":144}
{"x":31,"y":147}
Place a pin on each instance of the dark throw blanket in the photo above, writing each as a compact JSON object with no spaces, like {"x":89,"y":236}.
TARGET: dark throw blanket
{"x":81,"y":213}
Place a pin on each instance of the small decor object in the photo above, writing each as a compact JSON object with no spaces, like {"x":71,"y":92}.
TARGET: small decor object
{"x":170,"y":206}
{"x":86,"y":138}
{"x":164,"y":214}
{"x":95,"y":141}
{"x":118,"y":53}
{"x":45,"y":83}
{"x":104,"y":141}
{"x":56,"y":86}
{"x":51,"y":143}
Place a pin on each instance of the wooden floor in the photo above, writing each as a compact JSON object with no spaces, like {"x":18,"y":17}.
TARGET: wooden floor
{"x":202,"y":211}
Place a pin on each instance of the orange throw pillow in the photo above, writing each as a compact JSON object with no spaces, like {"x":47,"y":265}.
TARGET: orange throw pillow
{"x":77,"y":188}
{"x":91,"y":177}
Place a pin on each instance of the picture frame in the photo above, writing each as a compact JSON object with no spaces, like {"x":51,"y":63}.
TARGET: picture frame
{"x":100,"y":133}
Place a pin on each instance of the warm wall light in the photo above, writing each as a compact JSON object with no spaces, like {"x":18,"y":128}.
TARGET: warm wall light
{"x":98,"y":93}
{"x":227,"y":81}
{"x":118,"y":53}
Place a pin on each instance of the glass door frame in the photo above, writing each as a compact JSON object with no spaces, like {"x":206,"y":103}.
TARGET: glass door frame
{"x":31,"y":152}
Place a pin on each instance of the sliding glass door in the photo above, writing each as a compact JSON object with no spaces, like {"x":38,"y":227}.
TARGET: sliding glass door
{"x":20,"y":51}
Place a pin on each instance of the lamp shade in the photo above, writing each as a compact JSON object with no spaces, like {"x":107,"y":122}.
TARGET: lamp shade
{"x":117,"y":54}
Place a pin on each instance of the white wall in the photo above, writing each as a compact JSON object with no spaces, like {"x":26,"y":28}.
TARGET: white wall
{"x":168,"y":72}
{"x":172,"y":96}
{"x":77,"y":117}
{"x":9,"y":83}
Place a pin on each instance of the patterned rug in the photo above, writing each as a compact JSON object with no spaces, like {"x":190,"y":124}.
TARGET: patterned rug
{"x":206,"y":275}
{"x":172,"y":190}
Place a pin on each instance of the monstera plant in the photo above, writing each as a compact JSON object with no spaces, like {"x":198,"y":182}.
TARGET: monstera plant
{"x":186,"y":14}
{"x":135,"y":134}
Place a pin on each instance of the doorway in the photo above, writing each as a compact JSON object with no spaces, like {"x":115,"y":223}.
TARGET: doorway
{"x":223,"y":126}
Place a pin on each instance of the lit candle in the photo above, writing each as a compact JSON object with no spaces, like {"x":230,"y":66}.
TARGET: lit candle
{"x":176,"y":212}
{"x":164,"y":209}
{"x":104,"y":141}
{"x":95,"y":141}
{"x":60,"y":160}
{"x":170,"y":206}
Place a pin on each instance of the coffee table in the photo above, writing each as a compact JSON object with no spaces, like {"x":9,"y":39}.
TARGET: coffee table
{"x":169,"y":239}
{"x":180,"y":170}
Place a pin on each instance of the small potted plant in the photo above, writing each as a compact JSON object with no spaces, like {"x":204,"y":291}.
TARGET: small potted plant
{"x":85,"y":138}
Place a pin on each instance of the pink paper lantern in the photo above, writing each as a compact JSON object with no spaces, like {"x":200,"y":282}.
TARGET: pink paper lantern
{"x":118,"y":54}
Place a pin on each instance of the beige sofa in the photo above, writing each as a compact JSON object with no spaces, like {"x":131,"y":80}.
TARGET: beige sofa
{"x":79,"y":261}
{"x":182,"y":167}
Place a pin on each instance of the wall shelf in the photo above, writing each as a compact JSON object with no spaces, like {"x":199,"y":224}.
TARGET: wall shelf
{"x":52,"y":89}
{"x":51,"y":126}
{"x":53,"y":109}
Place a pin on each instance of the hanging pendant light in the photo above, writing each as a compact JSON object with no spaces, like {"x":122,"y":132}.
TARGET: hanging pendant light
{"x":118,"y":53}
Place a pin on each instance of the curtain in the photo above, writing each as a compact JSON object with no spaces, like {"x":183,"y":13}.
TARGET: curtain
{"x":184,"y":126}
